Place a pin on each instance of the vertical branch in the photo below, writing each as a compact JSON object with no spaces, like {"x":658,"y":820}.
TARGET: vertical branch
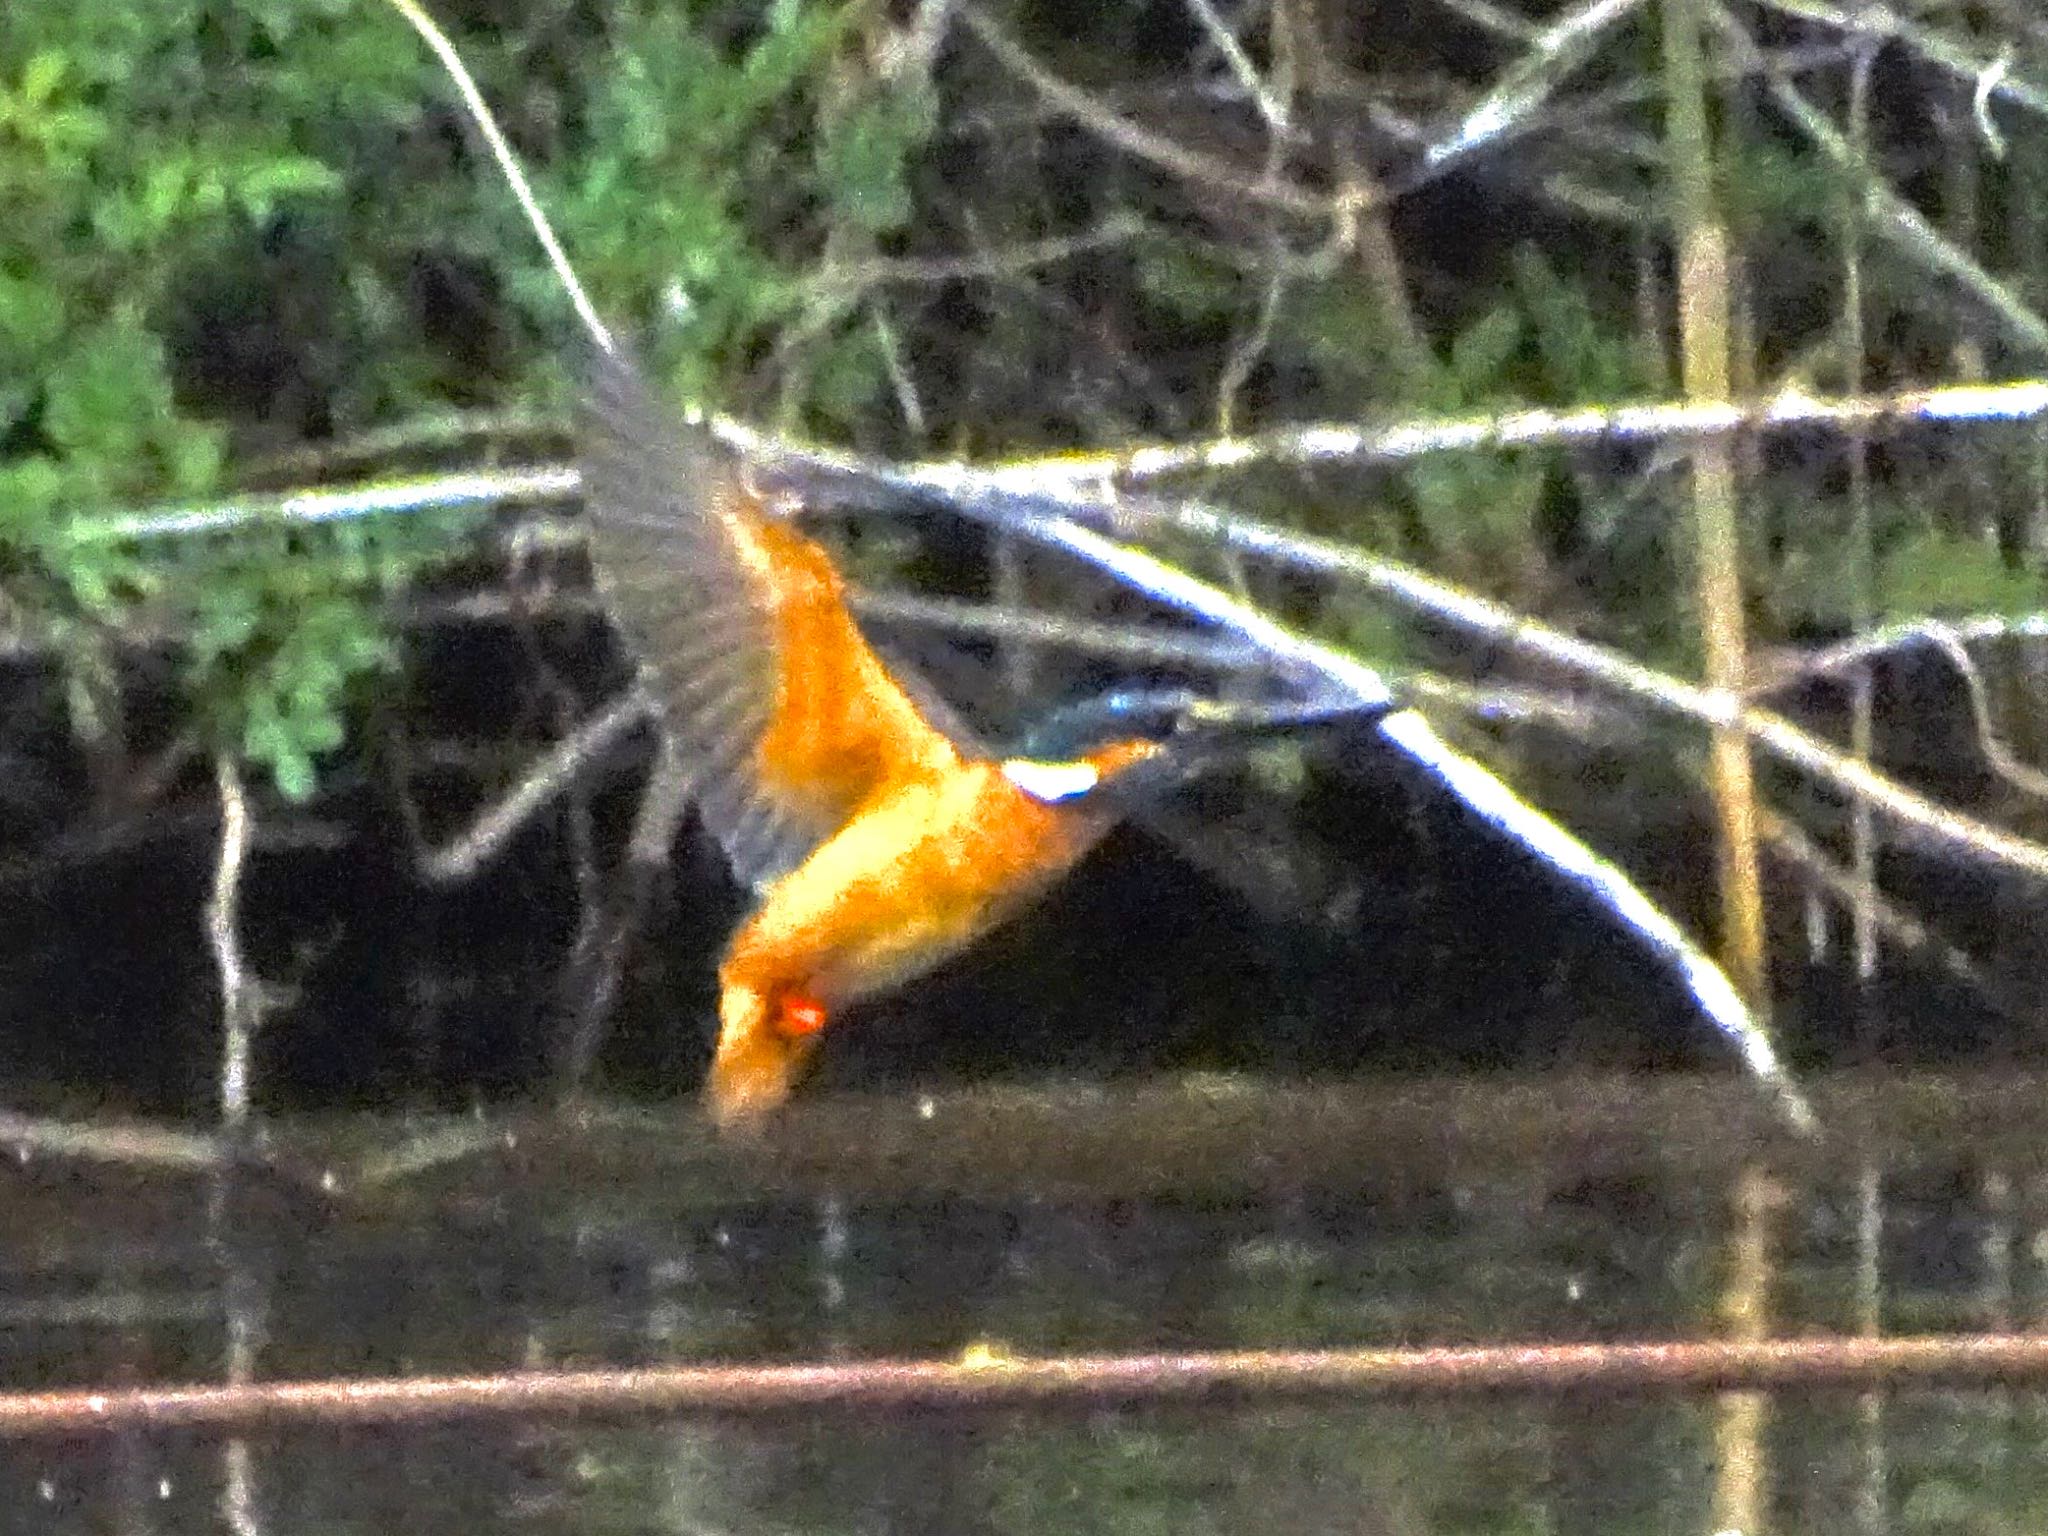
{"x":596,"y":965}
{"x":1872,"y":1502}
{"x":238,"y":989}
{"x":1863,"y":535}
{"x":241,"y":1004}
{"x":1872,"y":1505}
{"x":1741,"y":1472}
{"x":1704,"y":343}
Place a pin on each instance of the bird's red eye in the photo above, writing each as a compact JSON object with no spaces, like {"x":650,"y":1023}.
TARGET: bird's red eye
{"x":800,"y":1015}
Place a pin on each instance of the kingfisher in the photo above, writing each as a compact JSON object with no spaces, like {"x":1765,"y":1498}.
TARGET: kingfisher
{"x":876,"y":842}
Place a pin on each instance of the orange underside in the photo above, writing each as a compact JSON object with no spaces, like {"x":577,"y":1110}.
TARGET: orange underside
{"x":897,"y":891}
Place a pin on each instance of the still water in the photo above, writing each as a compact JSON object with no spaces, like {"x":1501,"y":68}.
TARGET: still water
{"x":637,"y":1246}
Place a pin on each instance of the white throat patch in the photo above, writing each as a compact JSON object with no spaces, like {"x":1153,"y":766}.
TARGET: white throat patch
{"x":1050,"y":782}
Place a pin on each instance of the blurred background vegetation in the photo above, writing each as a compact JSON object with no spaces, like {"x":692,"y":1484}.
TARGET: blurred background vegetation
{"x":250,"y":244}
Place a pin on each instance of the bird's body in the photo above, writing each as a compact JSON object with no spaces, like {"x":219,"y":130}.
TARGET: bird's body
{"x":876,"y":846}
{"x":916,"y":876}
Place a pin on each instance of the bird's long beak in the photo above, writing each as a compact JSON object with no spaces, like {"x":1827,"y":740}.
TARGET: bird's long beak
{"x":1203,"y":735}
{"x":1183,"y":718}
{"x":1223,"y":718}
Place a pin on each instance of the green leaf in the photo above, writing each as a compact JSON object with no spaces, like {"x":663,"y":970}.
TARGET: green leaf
{"x":1187,"y":279}
{"x":41,"y":76}
{"x":33,"y":312}
{"x":1932,"y":571}
{"x":164,"y":191}
{"x":866,"y":157}
{"x":1581,"y":359}
{"x":193,"y":455}
{"x":260,"y":189}
{"x":30,"y":489}
{"x":103,"y":396}
{"x":1483,"y":350}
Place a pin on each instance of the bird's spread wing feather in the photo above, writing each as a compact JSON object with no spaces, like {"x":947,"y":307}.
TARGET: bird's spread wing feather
{"x":786,"y":718}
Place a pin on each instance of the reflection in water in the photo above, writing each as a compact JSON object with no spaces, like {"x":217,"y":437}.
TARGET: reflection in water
{"x":492,"y":1278}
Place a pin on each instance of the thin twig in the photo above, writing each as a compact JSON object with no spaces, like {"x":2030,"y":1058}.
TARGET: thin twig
{"x":1789,"y":668}
{"x":1877,"y":23}
{"x":1271,"y":107}
{"x":1554,"y":53}
{"x":2023,"y":777}
{"x":1303,"y":444}
{"x":1481,"y":790}
{"x":432,"y":433}
{"x":508,"y":166}
{"x":469,"y":852}
{"x":1142,"y":143}
{"x":1646,"y":422}
{"x":1025,"y":256}
{"x":1892,"y":217}
{"x":1712,"y":707}
{"x":597,"y":962}
{"x":1860,"y":896}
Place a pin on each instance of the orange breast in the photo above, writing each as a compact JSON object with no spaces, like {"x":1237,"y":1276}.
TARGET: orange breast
{"x":916,"y":876}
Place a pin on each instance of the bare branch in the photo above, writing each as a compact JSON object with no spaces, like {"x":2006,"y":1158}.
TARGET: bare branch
{"x":1712,"y":707}
{"x":1334,"y":443}
{"x":417,"y":435}
{"x":1271,"y":107}
{"x":852,"y":277}
{"x":1137,"y":643}
{"x":1480,"y":789}
{"x":549,"y":777}
{"x":1896,"y":220}
{"x":241,"y":1002}
{"x":1142,"y":143}
{"x":1997,"y":755}
{"x":126,"y":1145}
{"x":1789,"y":668}
{"x":1994,"y":78}
{"x":1302,"y":444}
{"x":596,"y":965}
{"x":1791,"y":843}
{"x":1554,"y":53}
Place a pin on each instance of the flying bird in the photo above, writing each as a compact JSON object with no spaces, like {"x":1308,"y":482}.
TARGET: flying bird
{"x":876,"y":843}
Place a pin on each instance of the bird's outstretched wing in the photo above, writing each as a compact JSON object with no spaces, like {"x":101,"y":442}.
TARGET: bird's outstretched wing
{"x":785,"y":716}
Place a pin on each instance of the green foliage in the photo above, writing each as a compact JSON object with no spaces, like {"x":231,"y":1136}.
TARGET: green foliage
{"x":1542,"y":344}
{"x":1478,"y":509}
{"x":1582,"y":358}
{"x":192,"y":182}
{"x":716,"y":172}
{"x":1933,"y":571}
{"x":141,"y":144}
{"x":1196,"y":284}
{"x":157,"y":156}
{"x":1919,"y":570}
{"x":1541,"y":341}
